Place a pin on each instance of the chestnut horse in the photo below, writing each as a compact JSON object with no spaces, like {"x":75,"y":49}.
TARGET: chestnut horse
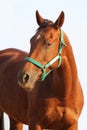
{"x":50,"y":77}
{"x":54,"y":97}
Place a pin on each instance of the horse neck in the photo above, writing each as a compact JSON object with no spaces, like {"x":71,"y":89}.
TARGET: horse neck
{"x":64,"y":78}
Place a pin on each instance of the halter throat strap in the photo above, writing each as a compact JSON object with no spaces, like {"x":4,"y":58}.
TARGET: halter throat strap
{"x":58,"y":57}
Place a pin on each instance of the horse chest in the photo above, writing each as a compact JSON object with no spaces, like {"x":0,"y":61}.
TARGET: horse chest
{"x":52,"y":113}
{"x":58,"y":117}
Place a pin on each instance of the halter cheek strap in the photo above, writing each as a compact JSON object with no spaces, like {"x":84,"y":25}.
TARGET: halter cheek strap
{"x":58,"y":57}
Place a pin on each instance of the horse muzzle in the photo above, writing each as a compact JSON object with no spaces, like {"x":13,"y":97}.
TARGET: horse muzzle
{"x":28,"y":80}
{"x":23,"y":77}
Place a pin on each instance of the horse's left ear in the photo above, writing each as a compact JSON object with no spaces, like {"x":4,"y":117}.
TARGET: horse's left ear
{"x":59,"y":22}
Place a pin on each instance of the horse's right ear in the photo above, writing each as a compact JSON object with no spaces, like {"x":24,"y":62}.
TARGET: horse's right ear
{"x":39,"y":19}
{"x":59,"y":22}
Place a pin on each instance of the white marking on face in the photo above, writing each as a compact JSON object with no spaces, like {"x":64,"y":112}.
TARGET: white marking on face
{"x":38,"y":37}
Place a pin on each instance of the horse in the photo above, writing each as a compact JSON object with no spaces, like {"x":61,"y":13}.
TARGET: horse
{"x":49,"y":96}
{"x":50,"y":77}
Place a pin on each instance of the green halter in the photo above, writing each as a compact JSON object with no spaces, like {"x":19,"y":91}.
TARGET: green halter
{"x":58,"y":57}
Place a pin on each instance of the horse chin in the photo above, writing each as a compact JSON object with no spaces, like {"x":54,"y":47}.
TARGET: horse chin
{"x":26,"y":86}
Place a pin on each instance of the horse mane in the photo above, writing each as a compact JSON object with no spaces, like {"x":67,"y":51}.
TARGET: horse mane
{"x":45,"y":24}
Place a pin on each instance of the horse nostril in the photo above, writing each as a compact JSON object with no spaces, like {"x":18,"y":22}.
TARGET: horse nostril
{"x":25,"y":78}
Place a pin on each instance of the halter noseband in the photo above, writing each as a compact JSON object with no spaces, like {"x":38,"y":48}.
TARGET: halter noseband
{"x":58,"y":57}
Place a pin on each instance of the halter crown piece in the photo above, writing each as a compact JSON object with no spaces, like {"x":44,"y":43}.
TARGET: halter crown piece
{"x":58,"y":57}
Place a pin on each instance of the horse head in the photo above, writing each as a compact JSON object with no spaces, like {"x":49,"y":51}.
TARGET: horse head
{"x":45,"y":53}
